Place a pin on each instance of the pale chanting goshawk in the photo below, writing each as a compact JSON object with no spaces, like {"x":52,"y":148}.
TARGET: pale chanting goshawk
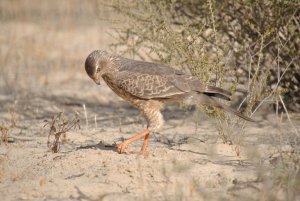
{"x":148,"y":85}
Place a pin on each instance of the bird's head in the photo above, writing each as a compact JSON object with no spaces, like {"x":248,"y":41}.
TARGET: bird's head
{"x":97,"y":64}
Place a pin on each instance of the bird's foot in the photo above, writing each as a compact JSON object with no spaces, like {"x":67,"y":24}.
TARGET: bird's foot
{"x":145,"y":153}
{"x":123,"y":148}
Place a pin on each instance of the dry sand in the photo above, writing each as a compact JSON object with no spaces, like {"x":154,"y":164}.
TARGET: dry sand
{"x":186,"y":162}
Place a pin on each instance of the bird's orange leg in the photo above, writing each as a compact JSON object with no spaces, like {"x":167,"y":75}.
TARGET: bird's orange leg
{"x":124,"y":145}
{"x":145,"y":145}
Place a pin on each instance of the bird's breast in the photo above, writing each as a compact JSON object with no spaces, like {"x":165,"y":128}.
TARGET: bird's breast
{"x":120,"y":92}
{"x":149,"y":108}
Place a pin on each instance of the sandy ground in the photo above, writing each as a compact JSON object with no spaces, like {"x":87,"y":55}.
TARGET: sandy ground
{"x":188,"y":160}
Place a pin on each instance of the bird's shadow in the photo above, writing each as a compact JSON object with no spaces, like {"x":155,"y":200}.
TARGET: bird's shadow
{"x":101,"y":145}
{"x":189,"y":151}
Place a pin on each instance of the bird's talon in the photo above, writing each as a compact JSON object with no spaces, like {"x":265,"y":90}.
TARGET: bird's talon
{"x":123,"y":148}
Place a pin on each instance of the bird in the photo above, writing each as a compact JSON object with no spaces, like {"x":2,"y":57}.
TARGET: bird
{"x":147,"y":86}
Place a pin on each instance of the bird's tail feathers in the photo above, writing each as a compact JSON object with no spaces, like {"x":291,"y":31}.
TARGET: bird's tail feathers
{"x":211,"y":101}
{"x":237,"y":113}
{"x":218,"y":92}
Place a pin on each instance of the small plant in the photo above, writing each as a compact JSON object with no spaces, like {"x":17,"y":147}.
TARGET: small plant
{"x":4,"y":134}
{"x":59,"y":125}
{"x":4,"y":129}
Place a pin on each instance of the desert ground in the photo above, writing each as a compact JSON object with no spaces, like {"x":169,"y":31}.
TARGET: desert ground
{"x":42,"y":74}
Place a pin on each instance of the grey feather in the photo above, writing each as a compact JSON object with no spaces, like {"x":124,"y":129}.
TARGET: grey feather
{"x":155,"y":81}
{"x":196,"y":98}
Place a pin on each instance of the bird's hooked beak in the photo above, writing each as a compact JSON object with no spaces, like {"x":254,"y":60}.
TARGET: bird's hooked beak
{"x":97,"y":82}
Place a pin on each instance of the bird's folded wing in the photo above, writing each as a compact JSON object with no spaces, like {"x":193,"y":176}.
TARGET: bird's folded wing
{"x":149,"y":81}
{"x":147,"y":86}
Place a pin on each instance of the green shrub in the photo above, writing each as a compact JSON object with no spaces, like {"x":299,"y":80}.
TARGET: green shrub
{"x":250,"y":47}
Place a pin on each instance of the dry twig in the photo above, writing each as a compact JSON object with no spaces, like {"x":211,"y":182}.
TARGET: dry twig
{"x":59,"y":126}
{"x":4,"y":129}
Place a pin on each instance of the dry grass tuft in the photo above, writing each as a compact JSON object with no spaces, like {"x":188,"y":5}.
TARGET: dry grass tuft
{"x":59,"y":126}
{"x":4,"y":128}
{"x":4,"y":134}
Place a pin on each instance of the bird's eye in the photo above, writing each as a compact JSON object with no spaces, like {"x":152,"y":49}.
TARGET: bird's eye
{"x":98,"y":70}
